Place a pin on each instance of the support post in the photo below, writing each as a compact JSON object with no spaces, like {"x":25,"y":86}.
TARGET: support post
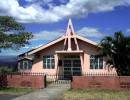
{"x":69,"y":40}
{"x":56,"y":63}
{"x":45,"y":82}
{"x":82,"y":62}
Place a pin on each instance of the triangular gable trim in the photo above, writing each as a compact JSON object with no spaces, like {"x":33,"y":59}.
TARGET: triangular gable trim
{"x":25,"y":58}
{"x":60,"y":39}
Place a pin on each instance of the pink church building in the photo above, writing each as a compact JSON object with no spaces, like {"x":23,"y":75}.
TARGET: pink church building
{"x":68,"y":55}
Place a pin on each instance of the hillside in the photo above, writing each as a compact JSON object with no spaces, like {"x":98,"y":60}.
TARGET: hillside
{"x":8,"y":61}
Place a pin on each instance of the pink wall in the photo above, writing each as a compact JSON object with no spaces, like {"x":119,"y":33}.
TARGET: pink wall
{"x":88,"y":49}
{"x":101,"y":82}
{"x":38,"y":62}
{"x":22,"y":81}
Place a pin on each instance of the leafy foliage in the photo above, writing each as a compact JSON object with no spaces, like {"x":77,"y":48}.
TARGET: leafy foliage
{"x":5,"y":69}
{"x":117,"y":49}
{"x":12,"y":34}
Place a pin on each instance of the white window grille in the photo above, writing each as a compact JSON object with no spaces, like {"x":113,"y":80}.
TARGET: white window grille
{"x":25,"y":65}
{"x":48,"y":62}
{"x":96,"y":63}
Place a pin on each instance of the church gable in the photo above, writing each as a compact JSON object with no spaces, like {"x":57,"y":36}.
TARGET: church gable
{"x":70,"y":41}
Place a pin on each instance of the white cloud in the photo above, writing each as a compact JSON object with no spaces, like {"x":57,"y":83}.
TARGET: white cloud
{"x":37,"y":46}
{"x":26,"y":47}
{"x":91,"y":32}
{"x":8,"y":54}
{"x":35,"y":13}
{"x":9,"y":33}
{"x":47,"y":1}
{"x":128,"y":30}
{"x":51,"y":35}
{"x":29,"y":0}
{"x":48,"y":35}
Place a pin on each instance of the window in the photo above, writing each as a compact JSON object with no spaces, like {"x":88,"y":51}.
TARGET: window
{"x":96,"y":64}
{"x":48,"y":62}
{"x":25,"y":65}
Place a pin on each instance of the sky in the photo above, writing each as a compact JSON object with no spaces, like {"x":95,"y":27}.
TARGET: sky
{"x":48,"y":19}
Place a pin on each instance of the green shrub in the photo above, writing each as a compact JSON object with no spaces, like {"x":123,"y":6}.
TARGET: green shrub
{"x":5,"y":69}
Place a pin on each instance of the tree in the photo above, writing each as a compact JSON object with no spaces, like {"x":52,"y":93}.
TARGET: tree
{"x":117,"y":49}
{"x":12,"y":34}
{"x":6,"y":69}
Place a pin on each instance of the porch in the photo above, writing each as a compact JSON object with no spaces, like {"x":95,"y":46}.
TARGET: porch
{"x":69,"y":63}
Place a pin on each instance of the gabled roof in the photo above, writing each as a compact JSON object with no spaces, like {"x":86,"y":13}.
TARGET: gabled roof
{"x":25,"y":53}
{"x":47,"y":45}
{"x":67,"y":38}
{"x":25,"y":58}
{"x":60,"y":39}
{"x":87,"y":40}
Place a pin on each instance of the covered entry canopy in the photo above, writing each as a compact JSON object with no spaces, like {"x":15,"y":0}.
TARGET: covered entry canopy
{"x":72,"y":63}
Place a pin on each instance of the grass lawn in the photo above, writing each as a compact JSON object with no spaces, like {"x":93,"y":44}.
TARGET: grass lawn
{"x":15,"y":91}
{"x":94,"y":95}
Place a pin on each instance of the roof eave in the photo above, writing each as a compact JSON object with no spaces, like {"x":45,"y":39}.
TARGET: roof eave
{"x":46,"y":45}
{"x":25,"y":58}
{"x":60,"y":39}
{"x":88,"y":41}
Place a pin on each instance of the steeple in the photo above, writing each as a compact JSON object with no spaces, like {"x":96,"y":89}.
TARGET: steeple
{"x":69,"y":35}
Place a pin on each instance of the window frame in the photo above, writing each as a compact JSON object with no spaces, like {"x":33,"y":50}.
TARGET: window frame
{"x":23,"y":68}
{"x":50,"y":58}
{"x":98,"y":63}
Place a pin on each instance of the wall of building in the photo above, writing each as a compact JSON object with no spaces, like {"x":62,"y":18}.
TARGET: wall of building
{"x":101,"y":82}
{"x":88,"y":49}
{"x":38,"y":62}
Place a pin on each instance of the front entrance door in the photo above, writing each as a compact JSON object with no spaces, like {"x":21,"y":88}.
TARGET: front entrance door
{"x":72,"y":67}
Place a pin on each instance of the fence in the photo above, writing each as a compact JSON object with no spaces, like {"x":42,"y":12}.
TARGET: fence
{"x":90,"y":81}
{"x":101,"y":82}
{"x":24,"y":73}
{"x":99,"y":74}
{"x":33,"y":80}
{"x":22,"y":80}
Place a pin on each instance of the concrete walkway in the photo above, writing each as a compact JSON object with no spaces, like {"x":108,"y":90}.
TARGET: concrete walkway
{"x":8,"y":97}
{"x":49,"y":93}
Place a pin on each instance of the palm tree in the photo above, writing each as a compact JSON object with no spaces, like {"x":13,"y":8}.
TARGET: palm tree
{"x":117,"y":49}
